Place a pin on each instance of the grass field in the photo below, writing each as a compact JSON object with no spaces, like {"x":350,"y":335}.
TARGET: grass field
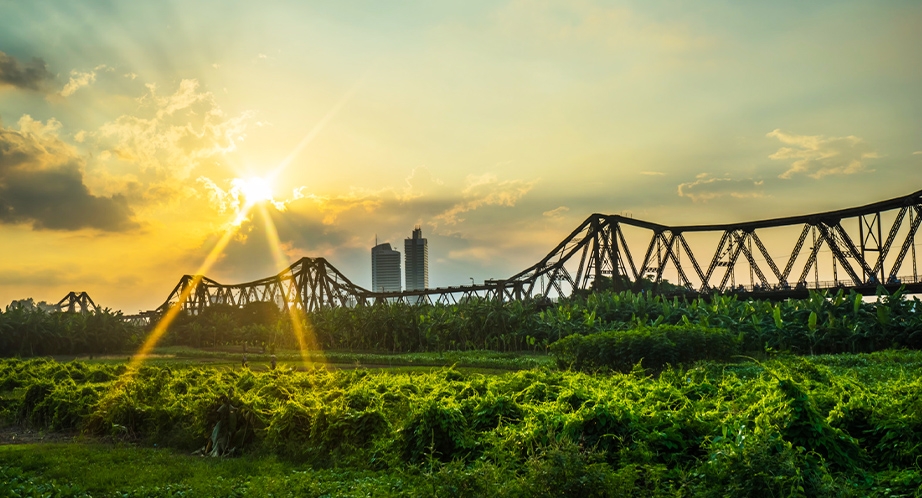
{"x":484,"y":361}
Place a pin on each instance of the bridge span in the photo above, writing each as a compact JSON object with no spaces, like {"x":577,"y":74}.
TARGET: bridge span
{"x":854,"y":248}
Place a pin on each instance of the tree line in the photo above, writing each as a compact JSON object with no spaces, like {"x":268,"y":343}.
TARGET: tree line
{"x":33,"y":331}
{"x":821,"y":323}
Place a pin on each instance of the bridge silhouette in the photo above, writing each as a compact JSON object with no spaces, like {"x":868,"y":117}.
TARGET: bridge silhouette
{"x":857,"y":248}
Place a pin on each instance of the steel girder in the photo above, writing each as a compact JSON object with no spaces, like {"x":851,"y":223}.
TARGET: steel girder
{"x":309,"y":284}
{"x":599,"y":250}
{"x":74,"y":302}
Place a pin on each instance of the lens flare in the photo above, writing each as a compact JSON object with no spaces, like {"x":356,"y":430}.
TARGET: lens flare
{"x":154,"y":337}
{"x":303,"y":333}
{"x":309,"y":137}
{"x":255,"y":192}
{"x":254,"y":189}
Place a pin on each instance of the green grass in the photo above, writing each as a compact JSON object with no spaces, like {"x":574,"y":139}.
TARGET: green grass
{"x":486,"y":362}
{"x":473,"y":359}
{"x":480,"y":361}
{"x":115,"y":470}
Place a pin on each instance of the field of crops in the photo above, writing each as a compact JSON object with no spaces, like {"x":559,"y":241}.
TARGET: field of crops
{"x":838,"y":425}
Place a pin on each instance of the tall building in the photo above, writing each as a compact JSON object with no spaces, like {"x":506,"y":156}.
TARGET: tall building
{"x":385,"y":268}
{"x":416,"y":254}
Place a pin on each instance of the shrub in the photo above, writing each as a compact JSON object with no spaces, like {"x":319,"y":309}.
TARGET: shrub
{"x":655,"y":346}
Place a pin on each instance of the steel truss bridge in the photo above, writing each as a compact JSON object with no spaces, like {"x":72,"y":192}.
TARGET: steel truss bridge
{"x":75,"y":302}
{"x":857,"y":248}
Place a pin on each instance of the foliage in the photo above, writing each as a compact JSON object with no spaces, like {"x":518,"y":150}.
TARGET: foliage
{"x":656,"y":346}
{"x":823,"y":323}
{"x":846,"y":425}
{"x":477,"y":359}
{"x":34,"y":332}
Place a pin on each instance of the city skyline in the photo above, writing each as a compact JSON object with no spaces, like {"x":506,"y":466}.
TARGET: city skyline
{"x":140,"y":142}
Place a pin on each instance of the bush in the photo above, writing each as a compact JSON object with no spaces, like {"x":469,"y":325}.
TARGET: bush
{"x":655,"y":346}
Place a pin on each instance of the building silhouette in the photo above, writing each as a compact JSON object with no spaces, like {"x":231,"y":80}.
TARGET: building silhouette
{"x":416,"y":254}
{"x":385,"y":268}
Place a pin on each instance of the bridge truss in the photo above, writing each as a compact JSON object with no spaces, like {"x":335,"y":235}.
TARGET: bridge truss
{"x":858,"y":248}
{"x":75,"y":302}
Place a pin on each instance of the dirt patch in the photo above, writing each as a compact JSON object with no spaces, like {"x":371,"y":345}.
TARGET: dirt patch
{"x":22,"y":435}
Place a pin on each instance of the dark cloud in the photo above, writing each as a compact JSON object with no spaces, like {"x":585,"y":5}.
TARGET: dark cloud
{"x":41,"y":183}
{"x":32,"y":75}
{"x":58,"y":200}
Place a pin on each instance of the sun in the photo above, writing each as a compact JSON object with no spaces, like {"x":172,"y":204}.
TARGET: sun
{"x":253,"y":189}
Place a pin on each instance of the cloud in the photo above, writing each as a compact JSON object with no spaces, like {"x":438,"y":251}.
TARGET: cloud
{"x":224,"y":201}
{"x":420,"y":182}
{"x":653,"y":173}
{"x":185,"y":96}
{"x":343,"y":227}
{"x":553,"y":213}
{"x":171,"y":135}
{"x":917,"y":153}
{"x":706,"y":188}
{"x":78,"y":80}
{"x":818,"y":156}
{"x":235,"y":197}
{"x":300,"y":229}
{"x":232,"y":200}
{"x":33,"y":75}
{"x":484,"y":190}
{"x":41,"y":182}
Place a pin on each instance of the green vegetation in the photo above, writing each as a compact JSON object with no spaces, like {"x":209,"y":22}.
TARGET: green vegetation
{"x":660,"y":401}
{"x":843,"y":425}
{"x":656,"y":347}
{"x":49,"y":470}
{"x":34,"y":332}
{"x":260,"y":361}
{"x":820,"y":324}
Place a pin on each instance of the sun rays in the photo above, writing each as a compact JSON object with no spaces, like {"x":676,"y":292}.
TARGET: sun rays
{"x":304,"y":336}
{"x":303,"y":332}
{"x":244,"y":195}
{"x":163,"y":324}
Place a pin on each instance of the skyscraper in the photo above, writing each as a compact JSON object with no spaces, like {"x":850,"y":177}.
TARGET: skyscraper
{"x":416,"y":252}
{"x":385,"y":268}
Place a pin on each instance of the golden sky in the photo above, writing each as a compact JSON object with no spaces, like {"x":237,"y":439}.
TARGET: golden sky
{"x":131,"y":132}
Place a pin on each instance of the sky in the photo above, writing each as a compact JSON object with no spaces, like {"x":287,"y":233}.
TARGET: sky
{"x":135,"y":135}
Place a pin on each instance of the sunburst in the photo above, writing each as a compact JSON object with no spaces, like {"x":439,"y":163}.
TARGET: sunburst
{"x":250,"y":192}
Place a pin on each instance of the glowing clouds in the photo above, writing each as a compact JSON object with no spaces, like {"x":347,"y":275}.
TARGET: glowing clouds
{"x":485,"y":190}
{"x":818,"y":156}
{"x":242,"y":194}
{"x":706,"y":188}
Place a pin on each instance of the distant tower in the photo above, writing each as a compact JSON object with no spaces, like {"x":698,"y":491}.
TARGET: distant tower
{"x":416,"y":254}
{"x":385,"y":269}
